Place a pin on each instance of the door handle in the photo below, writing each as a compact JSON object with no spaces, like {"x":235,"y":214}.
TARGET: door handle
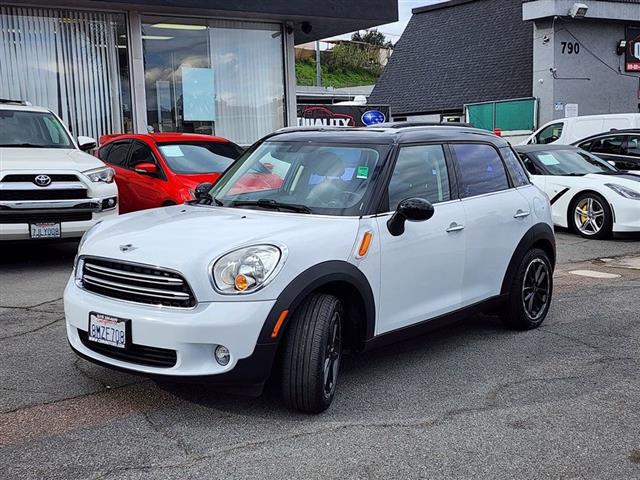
{"x":454,"y":227}
{"x":521,"y":214}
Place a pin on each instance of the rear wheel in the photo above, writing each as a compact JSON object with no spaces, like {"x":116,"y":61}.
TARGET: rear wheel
{"x":312,"y":354}
{"x":590,"y":216}
{"x":530,"y":293}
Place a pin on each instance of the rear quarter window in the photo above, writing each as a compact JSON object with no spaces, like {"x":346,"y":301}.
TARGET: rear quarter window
{"x":515,"y":167}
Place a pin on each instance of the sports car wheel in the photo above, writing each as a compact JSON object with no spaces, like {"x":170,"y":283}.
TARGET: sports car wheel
{"x":590,"y":216}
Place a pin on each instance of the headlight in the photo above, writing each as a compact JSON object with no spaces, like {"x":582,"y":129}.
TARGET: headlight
{"x":624,"y":191}
{"x":246,"y":270}
{"x":87,"y":234}
{"x":103,"y":174}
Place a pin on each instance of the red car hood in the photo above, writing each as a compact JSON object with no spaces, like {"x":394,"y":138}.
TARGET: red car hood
{"x":191,"y":181}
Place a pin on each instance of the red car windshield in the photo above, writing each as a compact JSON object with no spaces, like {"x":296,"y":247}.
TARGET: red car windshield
{"x":199,"y":157}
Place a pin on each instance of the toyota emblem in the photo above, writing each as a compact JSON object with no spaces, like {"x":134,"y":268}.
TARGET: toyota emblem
{"x":42,"y":180}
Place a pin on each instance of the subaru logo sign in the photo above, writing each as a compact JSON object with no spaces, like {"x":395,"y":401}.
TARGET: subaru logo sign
{"x":373,"y":117}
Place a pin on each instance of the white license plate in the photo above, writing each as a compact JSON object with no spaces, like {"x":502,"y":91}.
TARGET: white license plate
{"x":108,"y":330}
{"x":45,"y":230}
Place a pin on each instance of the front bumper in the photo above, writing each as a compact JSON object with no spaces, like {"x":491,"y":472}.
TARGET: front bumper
{"x":192,"y":333}
{"x":53,"y":210}
{"x":627,"y":216}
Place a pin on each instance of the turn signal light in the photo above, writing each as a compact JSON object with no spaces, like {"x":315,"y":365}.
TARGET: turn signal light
{"x":241,"y":282}
{"x":365,"y":244}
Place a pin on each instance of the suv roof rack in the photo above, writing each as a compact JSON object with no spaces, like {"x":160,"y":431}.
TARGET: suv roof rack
{"x":7,"y":101}
{"x":405,"y":124}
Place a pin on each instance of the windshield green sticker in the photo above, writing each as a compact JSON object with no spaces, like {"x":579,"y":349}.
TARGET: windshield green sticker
{"x":548,"y":159}
{"x":362,"y":172}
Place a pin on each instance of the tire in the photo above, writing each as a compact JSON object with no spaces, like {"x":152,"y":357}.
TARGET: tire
{"x":312,"y":348}
{"x":168,"y":203}
{"x":528,"y":303}
{"x":597,"y":215}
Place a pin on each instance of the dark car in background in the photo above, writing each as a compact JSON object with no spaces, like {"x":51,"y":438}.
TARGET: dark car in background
{"x":618,"y":147}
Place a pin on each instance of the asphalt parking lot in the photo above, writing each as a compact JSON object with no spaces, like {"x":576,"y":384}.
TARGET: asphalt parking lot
{"x":470,"y":401}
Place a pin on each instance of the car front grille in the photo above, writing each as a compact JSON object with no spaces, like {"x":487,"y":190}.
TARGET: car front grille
{"x":136,"y":283}
{"x":139,"y":354}
{"x":30,"y":177}
{"x":43,"y":216}
{"x":44,"y":194}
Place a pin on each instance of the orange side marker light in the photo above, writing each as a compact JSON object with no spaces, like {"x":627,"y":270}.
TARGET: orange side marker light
{"x":365,"y":244}
{"x":276,"y":328}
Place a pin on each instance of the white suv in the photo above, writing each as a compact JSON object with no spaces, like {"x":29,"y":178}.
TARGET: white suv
{"x":49,"y":187}
{"x":368,"y":236}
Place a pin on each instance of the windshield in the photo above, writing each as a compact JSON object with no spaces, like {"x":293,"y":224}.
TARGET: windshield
{"x":19,"y":128}
{"x":329,"y":179}
{"x":571,"y":162}
{"x":199,"y":157}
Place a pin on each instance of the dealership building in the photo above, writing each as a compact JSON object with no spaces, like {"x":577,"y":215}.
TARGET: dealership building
{"x":204,"y":66}
{"x":513,"y":64}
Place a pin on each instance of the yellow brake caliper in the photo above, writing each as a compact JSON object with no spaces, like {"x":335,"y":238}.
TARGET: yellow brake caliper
{"x":584,"y":217}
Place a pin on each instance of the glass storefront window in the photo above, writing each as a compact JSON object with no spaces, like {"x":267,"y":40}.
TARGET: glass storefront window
{"x":73,"y":62}
{"x":215,"y":77}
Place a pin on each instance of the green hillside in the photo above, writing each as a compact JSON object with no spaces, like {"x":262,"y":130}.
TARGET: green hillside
{"x":337,"y":78}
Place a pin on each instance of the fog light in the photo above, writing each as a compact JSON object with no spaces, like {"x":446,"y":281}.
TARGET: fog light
{"x":222,"y":355}
{"x":108,"y":203}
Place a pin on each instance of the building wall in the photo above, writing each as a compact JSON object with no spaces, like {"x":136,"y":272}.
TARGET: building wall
{"x":593,"y":78}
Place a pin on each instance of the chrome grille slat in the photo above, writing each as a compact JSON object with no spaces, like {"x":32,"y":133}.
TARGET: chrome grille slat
{"x":154,"y":292}
{"x":136,"y":283}
{"x":141,"y":277}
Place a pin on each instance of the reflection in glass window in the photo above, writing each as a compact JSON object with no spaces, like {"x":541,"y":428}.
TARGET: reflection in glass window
{"x":199,"y":157}
{"x":481,"y":169}
{"x":217,"y":77}
{"x":35,"y":129}
{"x":549,"y":134}
{"x":420,"y":171}
{"x":516,"y":170}
{"x":571,"y":162}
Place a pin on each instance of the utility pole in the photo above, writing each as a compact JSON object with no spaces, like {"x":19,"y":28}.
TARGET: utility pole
{"x":318,"y":66}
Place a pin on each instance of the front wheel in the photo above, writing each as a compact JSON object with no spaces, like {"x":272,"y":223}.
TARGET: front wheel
{"x":530,"y":293}
{"x":590,"y":216}
{"x":312,"y":353}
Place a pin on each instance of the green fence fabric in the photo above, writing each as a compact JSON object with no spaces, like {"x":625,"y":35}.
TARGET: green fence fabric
{"x":507,"y":115}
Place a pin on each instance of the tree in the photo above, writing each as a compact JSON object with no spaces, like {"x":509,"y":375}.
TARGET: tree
{"x":372,"y":37}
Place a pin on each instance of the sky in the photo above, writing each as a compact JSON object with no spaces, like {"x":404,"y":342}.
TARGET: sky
{"x":394,"y":30}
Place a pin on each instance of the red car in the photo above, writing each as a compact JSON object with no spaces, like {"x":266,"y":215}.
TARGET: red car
{"x":160,"y":169}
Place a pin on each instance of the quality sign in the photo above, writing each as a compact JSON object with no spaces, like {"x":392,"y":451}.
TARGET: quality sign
{"x":341,"y":115}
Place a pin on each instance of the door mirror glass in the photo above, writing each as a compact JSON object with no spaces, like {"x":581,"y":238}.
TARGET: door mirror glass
{"x":146,"y":168}
{"x":86,"y":143}
{"x":202,"y":190}
{"x":411,"y":209}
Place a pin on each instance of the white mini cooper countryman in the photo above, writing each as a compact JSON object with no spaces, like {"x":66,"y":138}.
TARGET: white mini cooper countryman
{"x":315,"y":242}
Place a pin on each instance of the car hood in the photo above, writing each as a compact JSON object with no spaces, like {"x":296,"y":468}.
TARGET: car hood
{"x":194,"y":180}
{"x":625,"y":179}
{"x":188,"y":238}
{"x":47,"y":159}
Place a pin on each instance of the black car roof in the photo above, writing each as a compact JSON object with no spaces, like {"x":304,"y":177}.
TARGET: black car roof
{"x":543,"y":148}
{"x":391,"y":134}
{"x":608,"y":134}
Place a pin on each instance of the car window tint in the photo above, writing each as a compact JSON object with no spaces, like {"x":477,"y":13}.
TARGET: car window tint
{"x":633,"y":146}
{"x":481,"y":169}
{"x":611,"y":145}
{"x":103,"y":152}
{"x":117,"y":155}
{"x":141,"y":153}
{"x":550,"y":133}
{"x":514,"y":165}
{"x":420,"y":171}
{"x":197,"y":157}
{"x":529,"y":165}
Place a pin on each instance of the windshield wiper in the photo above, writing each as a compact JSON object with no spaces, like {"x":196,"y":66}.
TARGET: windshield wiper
{"x":21,"y":145}
{"x":272,"y":205}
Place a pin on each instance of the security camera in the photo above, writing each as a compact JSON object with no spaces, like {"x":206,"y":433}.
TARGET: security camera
{"x":578,"y":10}
{"x":306,"y":28}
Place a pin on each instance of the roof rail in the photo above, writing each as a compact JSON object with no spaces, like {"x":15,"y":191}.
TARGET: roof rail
{"x":404,"y":124}
{"x":7,"y":101}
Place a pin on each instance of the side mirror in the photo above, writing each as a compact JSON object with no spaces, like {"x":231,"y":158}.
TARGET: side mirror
{"x":146,"y":168}
{"x":202,"y":190}
{"x":86,"y":143}
{"x":412,"y":209}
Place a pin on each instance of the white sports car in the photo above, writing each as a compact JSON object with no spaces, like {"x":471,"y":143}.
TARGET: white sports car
{"x":586,"y":193}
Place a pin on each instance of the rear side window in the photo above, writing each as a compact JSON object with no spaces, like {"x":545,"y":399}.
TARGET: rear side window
{"x":516,"y":169}
{"x":117,"y":155}
{"x":611,"y":145}
{"x":481,"y":169}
